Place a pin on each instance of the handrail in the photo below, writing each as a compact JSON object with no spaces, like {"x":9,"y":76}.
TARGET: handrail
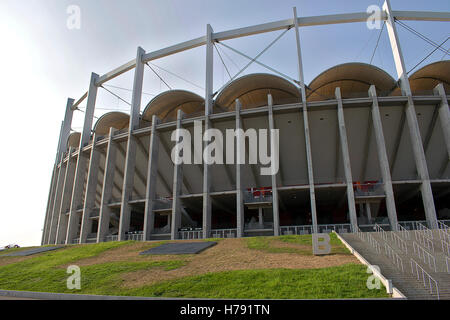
{"x":403,"y":231}
{"x":447,"y":262}
{"x":427,"y":232}
{"x":445,"y":245}
{"x":424,"y":240}
{"x":424,"y":255}
{"x":399,"y":242}
{"x":398,"y":262}
{"x":380,"y":230}
{"x":424,"y":273}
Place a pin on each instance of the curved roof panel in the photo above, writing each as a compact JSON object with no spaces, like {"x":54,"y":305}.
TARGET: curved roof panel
{"x":252,"y":91}
{"x":117,"y":120}
{"x":354,"y":79}
{"x":74,"y":140}
{"x":424,"y":80}
{"x":166,"y":104}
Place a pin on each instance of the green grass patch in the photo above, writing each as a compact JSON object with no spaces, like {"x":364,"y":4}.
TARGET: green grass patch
{"x":267,"y":244}
{"x":347,"y":281}
{"x":44,"y":273}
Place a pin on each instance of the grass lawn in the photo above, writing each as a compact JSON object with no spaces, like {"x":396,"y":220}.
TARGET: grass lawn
{"x":348,"y":281}
{"x":46,"y":272}
{"x":269,"y":244}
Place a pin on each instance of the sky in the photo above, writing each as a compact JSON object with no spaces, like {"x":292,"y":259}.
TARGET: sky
{"x":44,"y":62}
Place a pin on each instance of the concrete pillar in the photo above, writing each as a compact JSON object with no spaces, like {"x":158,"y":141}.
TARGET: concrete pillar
{"x":368,"y":212}
{"x":312,"y":193}
{"x":107,"y":189}
{"x":346,"y":159}
{"x":62,"y":147}
{"x":53,"y":226}
{"x":275,"y":202}
{"x":207,"y":207}
{"x":49,"y":209}
{"x":240,"y":223}
{"x":130,"y":160}
{"x":91,"y":188}
{"x":65,"y":200}
{"x":383,"y":160}
{"x":260,"y":218}
{"x":411,"y":117}
{"x":80,"y":174}
{"x":152,"y":177}
{"x":177,"y":184}
{"x":444,"y":116}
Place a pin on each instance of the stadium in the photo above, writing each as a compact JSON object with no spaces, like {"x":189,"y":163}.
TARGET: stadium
{"x":357,"y":148}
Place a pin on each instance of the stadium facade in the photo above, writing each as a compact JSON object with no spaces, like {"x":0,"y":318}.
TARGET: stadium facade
{"x":355,"y":147}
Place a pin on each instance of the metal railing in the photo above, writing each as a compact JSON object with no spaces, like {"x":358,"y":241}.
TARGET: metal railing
{"x":224,"y":233}
{"x":366,"y":236}
{"x":445,"y":247}
{"x":296,"y":230}
{"x":424,"y":240}
{"x":396,"y":260}
{"x":139,"y":236}
{"x":424,"y":229}
{"x":410,"y":225}
{"x":321,"y":228}
{"x":381,"y":231}
{"x":111,"y":238}
{"x":399,"y":242}
{"x":339,"y":228}
{"x":424,"y":255}
{"x":447,"y":262}
{"x":423,"y":276}
{"x":403,"y":231}
{"x":187,"y":235}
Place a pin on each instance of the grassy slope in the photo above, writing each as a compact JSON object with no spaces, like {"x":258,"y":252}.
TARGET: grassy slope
{"x":45,"y":273}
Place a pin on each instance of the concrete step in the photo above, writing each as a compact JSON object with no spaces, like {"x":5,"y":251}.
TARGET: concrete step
{"x":405,"y":281}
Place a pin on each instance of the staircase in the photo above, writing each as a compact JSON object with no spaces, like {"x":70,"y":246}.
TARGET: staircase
{"x":397,"y":260}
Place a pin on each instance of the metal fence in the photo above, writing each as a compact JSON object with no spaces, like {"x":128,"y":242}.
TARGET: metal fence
{"x":187,"y":235}
{"x":423,"y":276}
{"x":321,"y":228}
{"x":396,"y":260}
{"x":424,"y":255}
{"x":224,"y":233}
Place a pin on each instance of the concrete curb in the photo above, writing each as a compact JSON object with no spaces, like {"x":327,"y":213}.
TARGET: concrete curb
{"x":65,"y":296}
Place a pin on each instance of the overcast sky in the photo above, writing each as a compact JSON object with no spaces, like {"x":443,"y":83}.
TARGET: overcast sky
{"x":44,"y":63}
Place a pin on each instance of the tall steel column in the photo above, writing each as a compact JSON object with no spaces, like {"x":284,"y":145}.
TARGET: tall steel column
{"x":66,"y":196}
{"x":91,"y":188}
{"x":444,"y":117}
{"x":346,"y":160}
{"x":107,"y":189}
{"x":177,"y":184}
{"x":240,"y":152}
{"x":152,"y":178}
{"x":62,"y":147}
{"x":80,"y":174}
{"x":53,"y":227}
{"x":383,"y":159}
{"x":130,"y":160}
{"x":208,"y":110}
{"x":273,"y":146}
{"x":411,"y":117}
{"x":309,"y":161}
